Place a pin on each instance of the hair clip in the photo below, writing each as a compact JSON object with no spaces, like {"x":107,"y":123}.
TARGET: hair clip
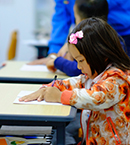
{"x":73,"y":37}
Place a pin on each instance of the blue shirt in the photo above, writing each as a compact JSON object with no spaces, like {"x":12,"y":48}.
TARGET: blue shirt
{"x":119,"y":16}
{"x":61,"y":22}
{"x":67,"y":66}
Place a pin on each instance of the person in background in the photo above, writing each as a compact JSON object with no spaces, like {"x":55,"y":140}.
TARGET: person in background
{"x":62,"y":20}
{"x":119,"y":19}
{"x":82,"y":9}
{"x":103,"y":88}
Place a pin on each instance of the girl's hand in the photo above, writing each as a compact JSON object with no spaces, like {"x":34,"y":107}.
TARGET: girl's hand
{"x":52,"y":94}
{"x":50,"y":65}
{"x":38,"y":95}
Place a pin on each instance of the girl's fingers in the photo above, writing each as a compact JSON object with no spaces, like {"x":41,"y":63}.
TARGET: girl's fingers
{"x":28,"y":98}
{"x":41,"y":95}
{"x":38,"y":95}
{"x":22,"y":98}
{"x":40,"y":98}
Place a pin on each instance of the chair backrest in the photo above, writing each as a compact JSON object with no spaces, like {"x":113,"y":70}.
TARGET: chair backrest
{"x":12,"y":47}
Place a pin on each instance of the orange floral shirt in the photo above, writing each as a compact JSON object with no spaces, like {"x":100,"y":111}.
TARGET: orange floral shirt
{"x":109,"y":102}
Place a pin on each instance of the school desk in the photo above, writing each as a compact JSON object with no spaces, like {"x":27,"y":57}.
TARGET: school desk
{"x":33,"y":115}
{"x":11,"y":73}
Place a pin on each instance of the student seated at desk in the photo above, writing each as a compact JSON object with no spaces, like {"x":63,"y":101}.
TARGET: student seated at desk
{"x":82,"y":9}
{"x":118,"y":18}
{"x":103,"y":88}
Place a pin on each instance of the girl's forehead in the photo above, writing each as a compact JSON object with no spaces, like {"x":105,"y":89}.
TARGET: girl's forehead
{"x":74,"y":51}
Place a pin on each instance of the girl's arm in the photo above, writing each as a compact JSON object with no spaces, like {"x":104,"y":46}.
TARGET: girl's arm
{"x":102,"y":95}
{"x":69,"y":83}
{"x":53,"y":94}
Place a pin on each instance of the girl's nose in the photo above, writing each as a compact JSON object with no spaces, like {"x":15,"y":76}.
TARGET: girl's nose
{"x":78,"y":66}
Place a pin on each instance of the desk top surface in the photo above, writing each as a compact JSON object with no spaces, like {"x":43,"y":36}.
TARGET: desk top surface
{"x":11,"y":71}
{"x":7,"y":109}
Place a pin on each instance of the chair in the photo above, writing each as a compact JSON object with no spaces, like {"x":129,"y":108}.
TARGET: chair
{"x":12,"y":48}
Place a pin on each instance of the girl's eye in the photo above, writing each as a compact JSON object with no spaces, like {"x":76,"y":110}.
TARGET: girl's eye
{"x":81,"y":60}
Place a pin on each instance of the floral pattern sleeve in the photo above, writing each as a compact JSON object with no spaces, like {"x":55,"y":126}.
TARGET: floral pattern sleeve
{"x":70,"y":83}
{"x":101,"y":95}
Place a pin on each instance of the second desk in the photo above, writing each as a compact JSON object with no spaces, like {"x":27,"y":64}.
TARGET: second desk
{"x":11,"y":73}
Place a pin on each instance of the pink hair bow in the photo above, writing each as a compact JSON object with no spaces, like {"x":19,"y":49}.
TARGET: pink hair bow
{"x":73,"y":37}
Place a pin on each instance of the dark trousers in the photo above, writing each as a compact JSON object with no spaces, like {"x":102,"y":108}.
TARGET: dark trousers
{"x":71,"y":131}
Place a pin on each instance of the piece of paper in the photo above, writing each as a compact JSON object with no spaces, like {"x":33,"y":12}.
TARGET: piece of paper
{"x":23,"y":93}
{"x":38,"y":68}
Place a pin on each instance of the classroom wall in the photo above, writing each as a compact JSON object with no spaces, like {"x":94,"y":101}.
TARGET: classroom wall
{"x":20,"y":15}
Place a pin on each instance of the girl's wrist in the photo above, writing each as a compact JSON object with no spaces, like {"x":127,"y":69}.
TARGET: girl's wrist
{"x":60,"y":97}
{"x":44,"y":86}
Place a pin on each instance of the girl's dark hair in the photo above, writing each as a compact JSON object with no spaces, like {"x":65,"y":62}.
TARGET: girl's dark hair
{"x":92,"y":8}
{"x":100,"y":45}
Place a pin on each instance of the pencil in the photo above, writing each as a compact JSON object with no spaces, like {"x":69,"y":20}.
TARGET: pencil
{"x":54,"y":80}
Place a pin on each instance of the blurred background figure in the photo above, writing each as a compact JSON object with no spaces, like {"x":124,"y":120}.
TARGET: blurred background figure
{"x":39,"y":15}
{"x":82,"y":9}
{"x":120,"y":24}
{"x":119,"y":19}
{"x":62,"y":20}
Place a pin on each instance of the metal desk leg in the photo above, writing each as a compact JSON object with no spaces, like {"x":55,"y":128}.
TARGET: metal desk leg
{"x":61,"y":134}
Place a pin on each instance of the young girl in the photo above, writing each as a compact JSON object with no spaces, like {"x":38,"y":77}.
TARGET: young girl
{"x":104,"y":89}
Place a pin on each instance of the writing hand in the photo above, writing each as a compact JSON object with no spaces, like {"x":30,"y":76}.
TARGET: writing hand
{"x":38,"y":95}
{"x":52,"y":94}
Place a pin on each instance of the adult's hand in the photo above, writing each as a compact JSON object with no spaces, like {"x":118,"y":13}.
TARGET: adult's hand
{"x":50,"y":65}
{"x":40,"y":61}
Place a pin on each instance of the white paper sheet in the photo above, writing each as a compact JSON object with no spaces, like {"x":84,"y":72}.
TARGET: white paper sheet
{"x":23,"y":93}
{"x":38,"y":68}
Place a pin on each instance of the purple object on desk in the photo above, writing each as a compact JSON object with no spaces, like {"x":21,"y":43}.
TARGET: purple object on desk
{"x":54,"y":80}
